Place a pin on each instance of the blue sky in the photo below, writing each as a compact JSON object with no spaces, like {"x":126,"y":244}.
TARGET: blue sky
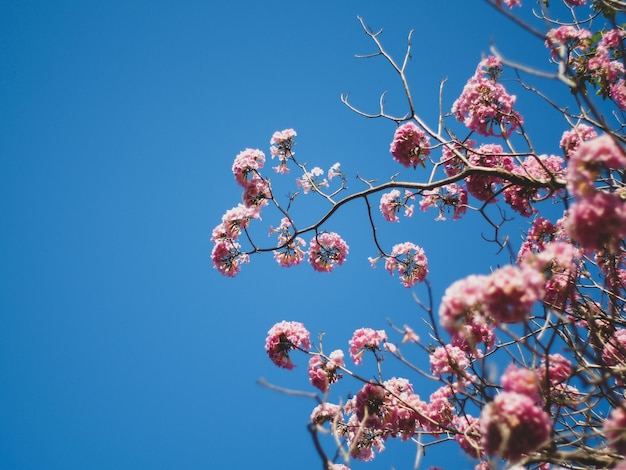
{"x":120,"y":346}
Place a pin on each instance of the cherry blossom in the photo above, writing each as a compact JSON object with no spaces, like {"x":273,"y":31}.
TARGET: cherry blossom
{"x":326,"y":250}
{"x":284,"y":337}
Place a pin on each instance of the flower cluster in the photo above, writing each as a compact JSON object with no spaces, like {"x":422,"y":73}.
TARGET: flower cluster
{"x":448,"y":359}
{"x":323,"y":370}
{"x":615,"y":429}
{"x":598,"y":218}
{"x":311,"y":180}
{"x":410,"y":145}
{"x":282,"y":147}
{"x":538,"y":168}
{"x":327,"y":250}
{"x":410,"y":262}
{"x":284,"y":337}
{"x":514,"y":424}
{"x":392,"y":202}
{"x":365,"y":339}
{"x":449,"y":197}
{"x":292,"y":253}
{"x":484,"y":105}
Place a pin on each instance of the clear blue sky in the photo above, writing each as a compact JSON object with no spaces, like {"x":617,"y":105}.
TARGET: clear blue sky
{"x":120,"y":346}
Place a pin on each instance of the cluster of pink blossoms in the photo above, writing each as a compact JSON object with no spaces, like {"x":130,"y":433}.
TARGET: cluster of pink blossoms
{"x":451,"y":196}
{"x":284,"y":337}
{"x":514,"y":423}
{"x":311,"y":180}
{"x":483,"y":187}
{"x":542,"y":168}
{"x":448,"y":359}
{"x":327,"y":250}
{"x":563,"y":40}
{"x":365,"y":339}
{"x":615,"y":429}
{"x":614,"y":355}
{"x":323,"y":371}
{"x":598,"y":218}
{"x":484,"y":105}
{"x":393,"y":201}
{"x":292,"y":254}
{"x":471,"y":307}
{"x":410,"y":262}
{"x":571,"y":140}
{"x":282,"y":147}
{"x":410,"y":145}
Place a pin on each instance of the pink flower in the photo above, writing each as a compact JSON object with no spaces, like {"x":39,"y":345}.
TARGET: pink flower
{"x":513,"y":425}
{"x":614,"y":352}
{"x":617,"y":92}
{"x":588,"y":161}
{"x":410,"y":145}
{"x":521,"y":380}
{"x":448,"y":359}
{"x":327,"y":250}
{"x":365,"y":339}
{"x":567,"y":36}
{"x":576,"y":3}
{"x":334,"y":172}
{"x":510,"y":3}
{"x":257,"y":193}
{"x":615,"y":429}
{"x":461,"y":301}
{"x":282,"y":147}
{"x":484,"y":105}
{"x":323,"y":372}
{"x":392,"y":202}
{"x":410,"y":261}
{"x":326,"y":412}
{"x":292,"y":253}
{"x":451,"y":196}
{"x":468,"y":435}
{"x":483,"y":187}
{"x":572,"y":139}
{"x":557,"y":368}
{"x":598,"y":221}
{"x":234,"y":221}
{"x":510,"y":293}
{"x":439,"y":410}
{"x":558,"y":261}
{"x":227,"y":257}
{"x":311,"y":180}
{"x":246,"y":165}
{"x":542,"y":168}
{"x":284,"y":337}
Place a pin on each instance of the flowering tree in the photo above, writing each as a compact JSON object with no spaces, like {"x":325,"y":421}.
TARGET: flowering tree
{"x":555,"y":315}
